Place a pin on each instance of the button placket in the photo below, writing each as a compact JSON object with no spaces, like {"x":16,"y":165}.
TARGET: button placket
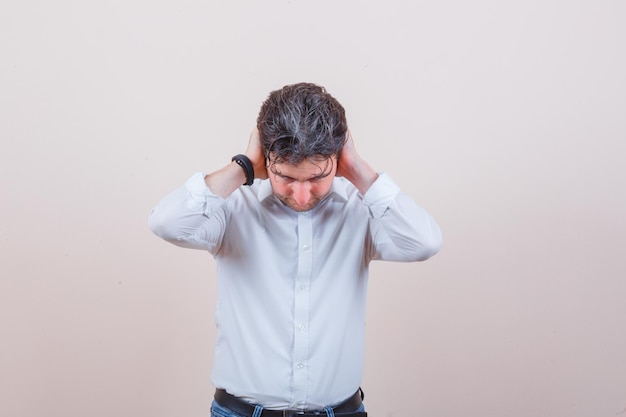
{"x":301,"y":306}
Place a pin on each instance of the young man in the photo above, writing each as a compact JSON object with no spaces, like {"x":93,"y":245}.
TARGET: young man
{"x":293,"y":247}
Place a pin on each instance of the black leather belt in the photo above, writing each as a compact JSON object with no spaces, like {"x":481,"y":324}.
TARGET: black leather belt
{"x":346,"y":408}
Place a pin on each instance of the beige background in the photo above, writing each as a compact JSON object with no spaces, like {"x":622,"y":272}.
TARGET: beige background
{"x":506,"y":120}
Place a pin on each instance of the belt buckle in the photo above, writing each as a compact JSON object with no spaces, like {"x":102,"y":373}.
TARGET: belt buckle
{"x":292,"y":413}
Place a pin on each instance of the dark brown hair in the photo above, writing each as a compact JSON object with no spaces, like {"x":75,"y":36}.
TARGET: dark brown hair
{"x":301,"y":121}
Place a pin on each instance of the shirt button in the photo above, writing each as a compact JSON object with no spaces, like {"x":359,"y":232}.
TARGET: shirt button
{"x":301,"y":326}
{"x":300,"y":366}
{"x":305,"y":247}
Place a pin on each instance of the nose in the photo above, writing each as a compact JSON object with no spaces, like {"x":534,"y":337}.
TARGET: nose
{"x":302,"y":192}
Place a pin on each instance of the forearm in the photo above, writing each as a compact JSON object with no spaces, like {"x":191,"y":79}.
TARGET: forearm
{"x":361,"y":174}
{"x":225,"y":180}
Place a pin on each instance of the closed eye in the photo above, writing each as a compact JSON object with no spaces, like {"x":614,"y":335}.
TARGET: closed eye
{"x":286,"y":178}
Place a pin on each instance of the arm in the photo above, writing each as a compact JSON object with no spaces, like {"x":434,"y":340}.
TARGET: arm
{"x":227,"y":179}
{"x":400,"y":229}
{"x":193,"y":216}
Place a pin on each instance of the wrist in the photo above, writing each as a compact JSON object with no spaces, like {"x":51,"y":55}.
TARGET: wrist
{"x":362,"y":176}
{"x":258,"y":165}
{"x":246,"y":165}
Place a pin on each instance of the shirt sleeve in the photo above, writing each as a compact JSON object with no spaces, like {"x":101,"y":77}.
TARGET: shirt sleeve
{"x":191,"y":216}
{"x":400,"y":229}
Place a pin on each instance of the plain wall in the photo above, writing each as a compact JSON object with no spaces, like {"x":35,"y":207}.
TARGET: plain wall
{"x":506,"y":120}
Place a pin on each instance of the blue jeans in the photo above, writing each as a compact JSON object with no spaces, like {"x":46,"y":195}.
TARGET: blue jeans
{"x":219,"y":411}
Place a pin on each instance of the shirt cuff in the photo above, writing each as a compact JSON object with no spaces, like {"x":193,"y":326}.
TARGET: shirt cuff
{"x":380,"y":195}
{"x":201,"y":198}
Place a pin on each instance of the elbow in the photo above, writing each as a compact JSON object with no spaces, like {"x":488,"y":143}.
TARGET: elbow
{"x":158,"y":225}
{"x":428,"y":250}
{"x":428,"y":246}
{"x":172,"y":230}
{"x":414,"y":250}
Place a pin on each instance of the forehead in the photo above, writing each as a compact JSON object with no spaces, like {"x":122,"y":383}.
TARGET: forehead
{"x":306,"y":169}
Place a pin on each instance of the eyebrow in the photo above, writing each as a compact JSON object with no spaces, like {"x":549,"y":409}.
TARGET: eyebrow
{"x":315,"y":177}
{"x":326,"y":171}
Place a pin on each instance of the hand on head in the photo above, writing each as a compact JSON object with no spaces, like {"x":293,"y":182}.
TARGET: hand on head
{"x":347,"y":157}
{"x":352,"y":167}
{"x":256,"y":155}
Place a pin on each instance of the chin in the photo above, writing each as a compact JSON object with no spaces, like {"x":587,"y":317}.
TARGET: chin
{"x":299,"y":208}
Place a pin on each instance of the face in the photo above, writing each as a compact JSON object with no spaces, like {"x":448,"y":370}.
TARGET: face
{"x":302,"y":186}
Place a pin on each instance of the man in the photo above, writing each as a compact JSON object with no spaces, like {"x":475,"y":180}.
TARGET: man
{"x":293,"y":245}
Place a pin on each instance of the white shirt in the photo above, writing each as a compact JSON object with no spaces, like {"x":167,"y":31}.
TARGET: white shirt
{"x":292,"y":285}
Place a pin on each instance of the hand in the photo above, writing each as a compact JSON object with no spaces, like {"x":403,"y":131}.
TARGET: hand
{"x":347,"y":157}
{"x":255,"y":154}
{"x":351,"y":166}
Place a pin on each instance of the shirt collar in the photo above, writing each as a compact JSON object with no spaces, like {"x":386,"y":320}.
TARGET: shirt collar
{"x":265,"y":190}
{"x":338,"y":189}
